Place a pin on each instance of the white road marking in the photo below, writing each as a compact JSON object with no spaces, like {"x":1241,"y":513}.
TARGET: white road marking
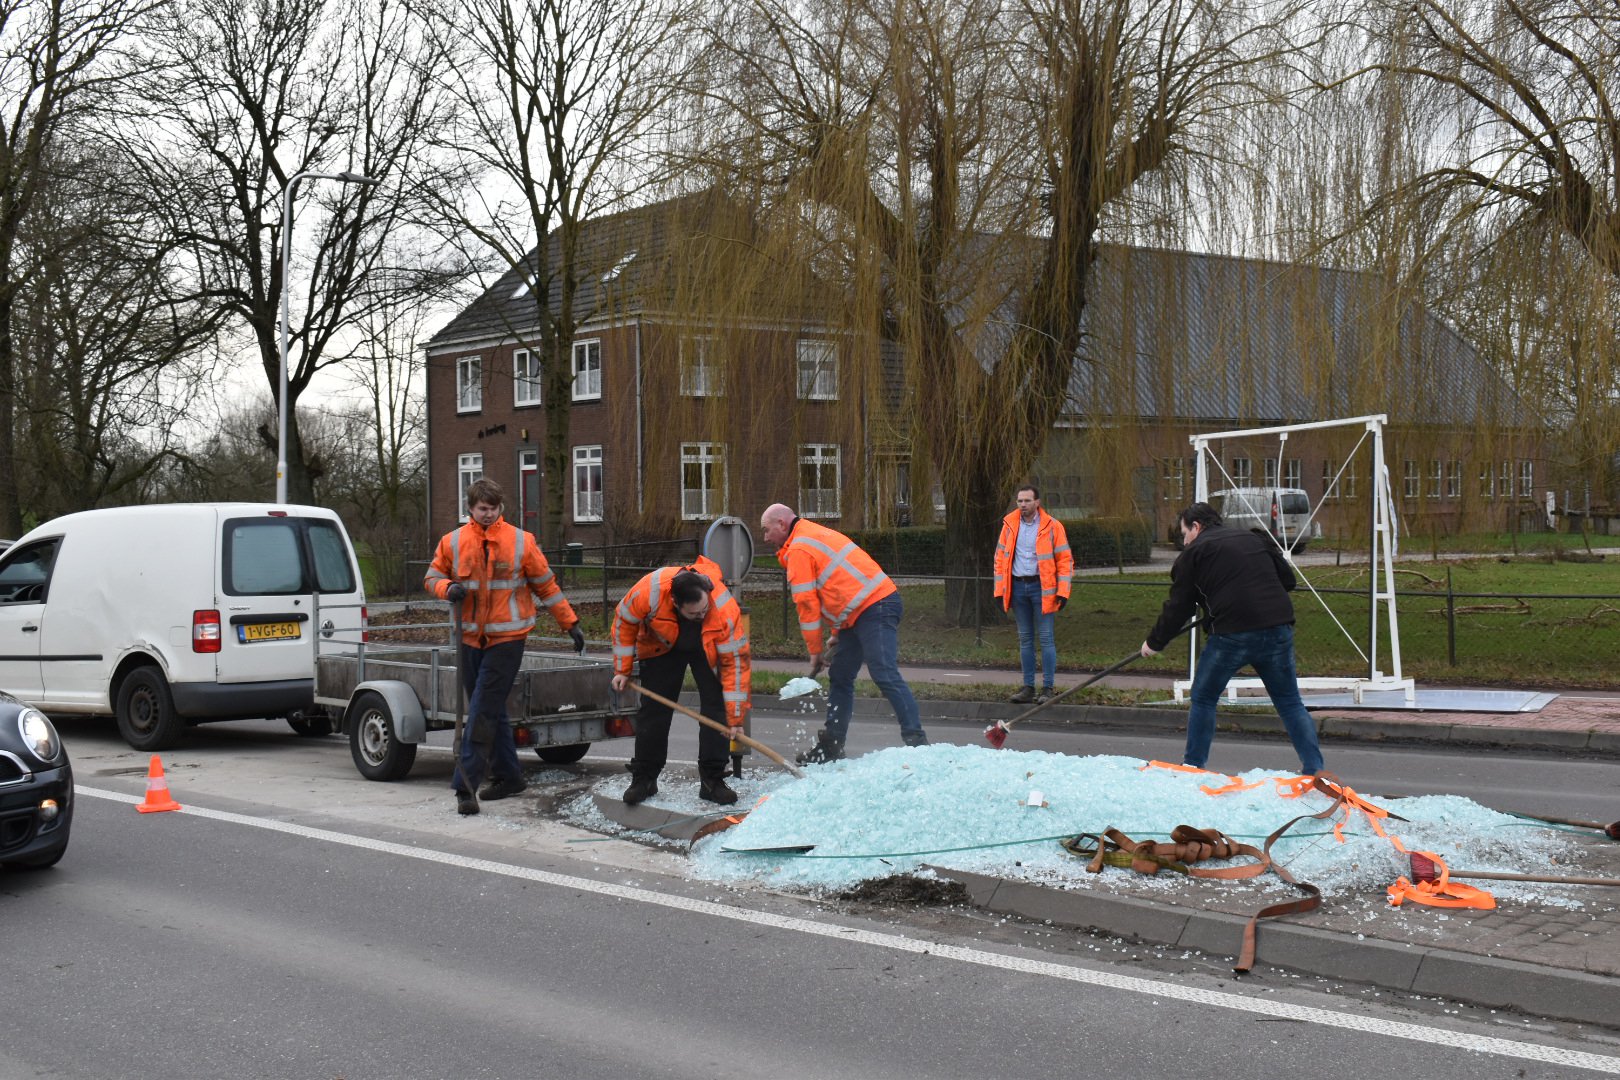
{"x":1270,"y":1009}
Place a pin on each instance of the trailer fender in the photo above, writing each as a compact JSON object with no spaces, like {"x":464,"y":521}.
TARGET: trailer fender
{"x":410,"y":726}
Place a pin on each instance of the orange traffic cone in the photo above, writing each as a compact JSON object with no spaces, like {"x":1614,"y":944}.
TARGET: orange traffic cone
{"x":157,"y":790}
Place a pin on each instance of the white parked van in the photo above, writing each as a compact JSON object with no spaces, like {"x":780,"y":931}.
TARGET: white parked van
{"x":1285,"y":513}
{"x":170,"y":615}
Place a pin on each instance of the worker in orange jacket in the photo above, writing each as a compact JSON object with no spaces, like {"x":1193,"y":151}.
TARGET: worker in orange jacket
{"x":1033,"y":570}
{"x":495,"y":572}
{"x":844,"y":598}
{"x":676,"y":618}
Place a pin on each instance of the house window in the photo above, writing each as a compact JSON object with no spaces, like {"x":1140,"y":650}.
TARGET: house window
{"x":1347,"y":482}
{"x":1527,"y":478}
{"x":1435,"y":476}
{"x":469,"y":468}
{"x":1454,"y":480}
{"x":587,"y":370}
{"x":818,"y":480}
{"x":703,"y":480}
{"x":1504,"y":480}
{"x":818,"y":370}
{"x":1291,"y":473}
{"x":1409,"y":478}
{"x":1175,"y":480}
{"x":701,"y":373}
{"x":1242,"y":472}
{"x":528,"y":491}
{"x":1330,"y":490}
{"x":587,"y":483}
{"x":525,"y":378}
{"x":1487,"y":485}
{"x":1268,"y":470}
{"x":469,"y":384}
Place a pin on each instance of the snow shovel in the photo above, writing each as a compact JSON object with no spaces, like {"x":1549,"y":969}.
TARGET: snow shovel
{"x":996,"y":733}
{"x":1424,"y":869}
{"x":723,"y":729}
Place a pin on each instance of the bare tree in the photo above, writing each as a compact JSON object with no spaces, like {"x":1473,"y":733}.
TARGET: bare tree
{"x":253,"y":94}
{"x":56,"y":60}
{"x":556,"y":100}
{"x":967,"y":159}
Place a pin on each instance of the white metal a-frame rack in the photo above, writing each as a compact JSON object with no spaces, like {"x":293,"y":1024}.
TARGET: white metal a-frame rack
{"x":1381,"y":571}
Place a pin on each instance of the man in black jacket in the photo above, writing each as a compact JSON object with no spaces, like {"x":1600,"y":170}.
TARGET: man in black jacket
{"x":1242,"y":580}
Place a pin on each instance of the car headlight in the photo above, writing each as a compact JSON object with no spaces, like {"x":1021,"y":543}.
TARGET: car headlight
{"x":39,"y":735}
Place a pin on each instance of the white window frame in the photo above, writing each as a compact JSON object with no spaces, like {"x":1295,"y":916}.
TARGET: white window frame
{"x":588,"y":503}
{"x":1454,"y":479}
{"x":1437,"y":477}
{"x":1487,"y":481}
{"x":1330,"y":492}
{"x":1293,"y":473}
{"x":819,"y":380}
{"x":469,"y":384}
{"x":587,"y":376}
{"x":702,"y":374}
{"x":1409,"y":478}
{"x":1504,"y":480}
{"x":813,"y":502}
{"x":469,"y":469}
{"x":1268,"y":472}
{"x":526,"y":386}
{"x":708,"y":498}
{"x":1242,"y":472}
{"x":1527,"y":477}
{"x":1175,"y":481}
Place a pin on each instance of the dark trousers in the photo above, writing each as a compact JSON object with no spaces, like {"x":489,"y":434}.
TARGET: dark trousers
{"x":487,"y":676}
{"x":1271,"y":653}
{"x":664,"y":675}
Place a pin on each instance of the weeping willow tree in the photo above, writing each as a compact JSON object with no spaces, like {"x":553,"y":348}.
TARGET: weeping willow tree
{"x":1502,"y":116}
{"x":949,"y":170}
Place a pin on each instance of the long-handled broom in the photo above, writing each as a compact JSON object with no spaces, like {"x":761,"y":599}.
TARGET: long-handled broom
{"x":1424,"y":869}
{"x":723,"y":729}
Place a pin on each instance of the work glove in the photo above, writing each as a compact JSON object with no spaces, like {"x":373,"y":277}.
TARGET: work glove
{"x":578,"y":638}
{"x":1063,"y":602}
{"x":818,"y":664}
{"x":455,"y":592}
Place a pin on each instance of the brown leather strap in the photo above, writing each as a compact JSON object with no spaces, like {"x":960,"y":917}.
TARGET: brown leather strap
{"x":1313,"y":896}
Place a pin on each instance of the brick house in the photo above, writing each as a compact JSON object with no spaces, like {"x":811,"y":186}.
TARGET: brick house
{"x":688,"y":404}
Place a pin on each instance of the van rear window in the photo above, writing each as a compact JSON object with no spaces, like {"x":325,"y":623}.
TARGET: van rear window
{"x":268,"y":557}
{"x":1296,"y":503}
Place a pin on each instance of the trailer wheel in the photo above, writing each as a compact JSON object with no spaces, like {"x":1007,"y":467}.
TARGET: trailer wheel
{"x":145,"y":710}
{"x":377,"y":751}
{"x":562,"y":755}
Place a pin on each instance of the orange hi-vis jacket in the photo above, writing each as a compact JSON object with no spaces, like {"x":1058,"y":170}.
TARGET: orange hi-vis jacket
{"x":646,"y":624}
{"x":831,"y":578}
{"x":504,"y":572}
{"x":1053,"y":560}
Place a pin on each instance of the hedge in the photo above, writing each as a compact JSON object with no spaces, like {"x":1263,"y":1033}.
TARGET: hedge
{"x":920,"y":549}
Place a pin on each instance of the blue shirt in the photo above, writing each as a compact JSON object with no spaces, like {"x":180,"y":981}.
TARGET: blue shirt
{"x":1024,"y":564}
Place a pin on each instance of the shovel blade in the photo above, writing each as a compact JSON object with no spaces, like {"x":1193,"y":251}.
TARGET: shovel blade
{"x":996,"y":735}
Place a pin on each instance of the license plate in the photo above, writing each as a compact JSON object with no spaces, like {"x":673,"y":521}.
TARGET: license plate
{"x":267,"y":631}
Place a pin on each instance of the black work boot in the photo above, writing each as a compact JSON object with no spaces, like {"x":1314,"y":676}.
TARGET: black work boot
{"x":643,"y":784}
{"x":502,"y":789}
{"x":1024,"y":696}
{"x":712,"y":786}
{"x":827,"y":749}
{"x":466,"y":803}
{"x":914,"y":738}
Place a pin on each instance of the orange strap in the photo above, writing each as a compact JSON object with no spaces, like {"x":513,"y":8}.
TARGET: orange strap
{"x":1442,"y":892}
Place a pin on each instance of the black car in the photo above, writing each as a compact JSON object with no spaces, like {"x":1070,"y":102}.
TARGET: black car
{"x":36,"y":788}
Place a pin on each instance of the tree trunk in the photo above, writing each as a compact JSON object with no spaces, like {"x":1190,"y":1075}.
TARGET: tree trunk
{"x":10,"y":512}
{"x":974,"y":505}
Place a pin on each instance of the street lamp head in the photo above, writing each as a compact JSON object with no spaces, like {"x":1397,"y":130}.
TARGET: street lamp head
{"x":356,"y":178}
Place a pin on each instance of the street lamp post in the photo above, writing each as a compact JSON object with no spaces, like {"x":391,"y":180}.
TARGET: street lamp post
{"x":286,"y":281}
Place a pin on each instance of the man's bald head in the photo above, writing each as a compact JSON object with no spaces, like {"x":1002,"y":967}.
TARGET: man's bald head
{"x":776,"y":522}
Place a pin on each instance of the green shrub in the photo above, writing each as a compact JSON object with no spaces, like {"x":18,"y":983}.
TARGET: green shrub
{"x":920,"y":549}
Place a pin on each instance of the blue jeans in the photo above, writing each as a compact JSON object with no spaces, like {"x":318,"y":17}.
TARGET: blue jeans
{"x":487,"y":676}
{"x":872,"y":639}
{"x":1026,"y":608}
{"x":1271,"y":653}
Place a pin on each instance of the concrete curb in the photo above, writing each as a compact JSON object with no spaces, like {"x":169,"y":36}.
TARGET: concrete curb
{"x":1374,"y":727}
{"x":1482,"y":980}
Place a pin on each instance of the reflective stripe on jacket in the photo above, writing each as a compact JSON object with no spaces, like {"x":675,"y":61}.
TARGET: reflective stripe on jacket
{"x":1053,"y":560}
{"x":831,"y":578}
{"x":504,"y":573}
{"x":646,"y":624}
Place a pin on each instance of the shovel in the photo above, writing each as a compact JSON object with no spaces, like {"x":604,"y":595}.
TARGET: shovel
{"x":723,"y":729}
{"x":1424,"y":869}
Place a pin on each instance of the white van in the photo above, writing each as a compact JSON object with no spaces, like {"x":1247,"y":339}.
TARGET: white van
{"x":170,"y":615}
{"x":1285,"y":513}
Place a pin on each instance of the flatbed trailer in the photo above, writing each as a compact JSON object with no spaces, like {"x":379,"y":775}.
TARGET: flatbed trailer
{"x":389,"y":696}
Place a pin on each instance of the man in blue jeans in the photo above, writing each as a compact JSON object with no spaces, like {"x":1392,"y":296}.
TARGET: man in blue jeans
{"x":1242,"y":580}
{"x":1033,"y":572}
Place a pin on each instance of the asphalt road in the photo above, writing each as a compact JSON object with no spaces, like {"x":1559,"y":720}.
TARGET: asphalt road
{"x":295,"y":921}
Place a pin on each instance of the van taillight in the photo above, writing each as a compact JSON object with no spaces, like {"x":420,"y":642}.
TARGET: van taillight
{"x":205,"y":635}
{"x":365,"y":627}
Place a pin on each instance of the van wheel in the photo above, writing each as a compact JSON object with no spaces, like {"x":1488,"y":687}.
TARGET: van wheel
{"x":377,"y":751}
{"x":562,"y":755}
{"x":312,"y":723}
{"x":145,"y":709}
